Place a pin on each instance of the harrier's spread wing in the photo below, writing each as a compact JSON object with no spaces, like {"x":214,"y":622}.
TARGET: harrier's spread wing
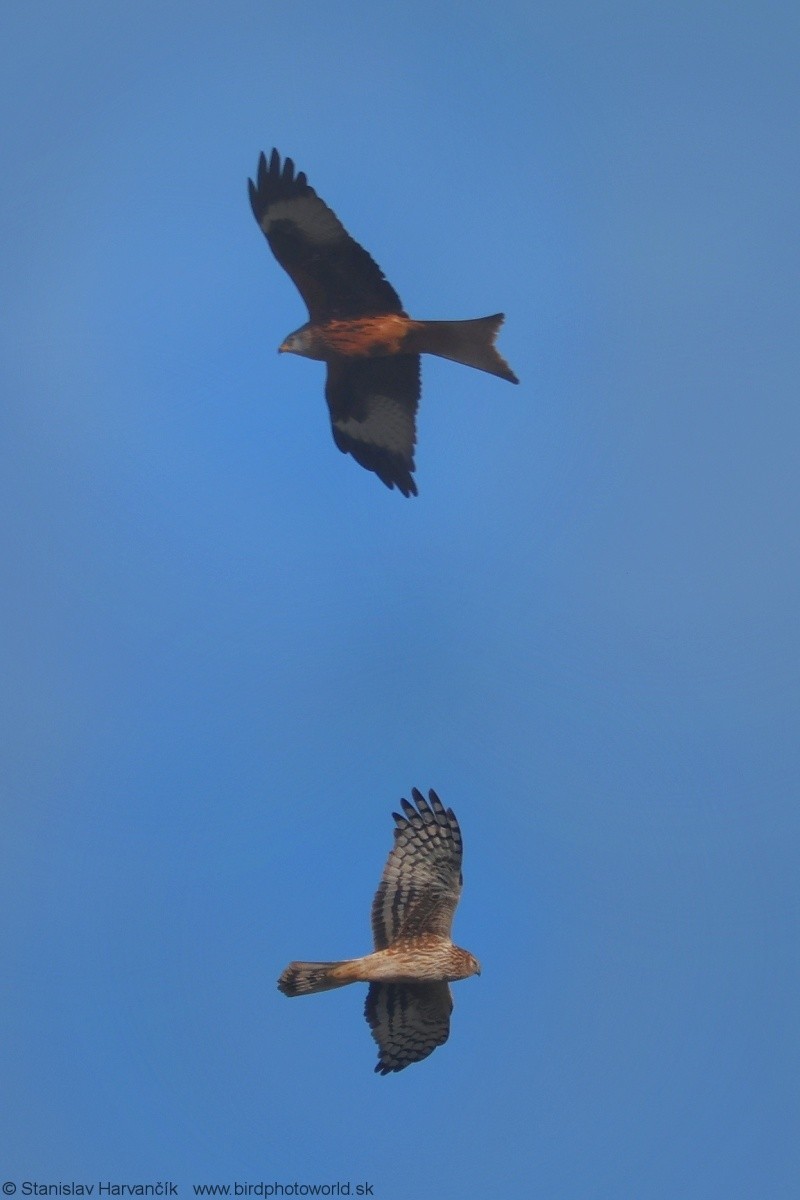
{"x":373,"y":403}
{"x":408,"y":1021}
{"x":334,"y":275}
{"x":421,"y":882}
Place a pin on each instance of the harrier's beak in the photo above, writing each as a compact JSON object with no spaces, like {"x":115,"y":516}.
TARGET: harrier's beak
{"x":283,"y":348}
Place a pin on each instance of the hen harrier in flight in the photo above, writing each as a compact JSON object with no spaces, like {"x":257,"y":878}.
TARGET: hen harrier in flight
{"x":359,"y":327}
{"x":408,"y":1003}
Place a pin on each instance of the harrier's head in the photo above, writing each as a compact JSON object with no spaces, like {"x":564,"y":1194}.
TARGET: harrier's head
{"x":464,"y":964}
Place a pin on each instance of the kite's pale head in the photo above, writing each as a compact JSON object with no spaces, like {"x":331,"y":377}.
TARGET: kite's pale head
{"x":302,"y":341}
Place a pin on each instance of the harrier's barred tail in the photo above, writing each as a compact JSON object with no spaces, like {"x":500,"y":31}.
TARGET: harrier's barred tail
{"x":467,"y":342}
{"x":303,"y":978}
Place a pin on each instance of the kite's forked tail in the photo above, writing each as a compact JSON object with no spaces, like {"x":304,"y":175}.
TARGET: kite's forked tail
{"x":302,"y":978}
{"x":467,"y":342}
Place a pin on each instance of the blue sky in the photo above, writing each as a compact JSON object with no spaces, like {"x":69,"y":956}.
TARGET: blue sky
{"x":228,"y":650}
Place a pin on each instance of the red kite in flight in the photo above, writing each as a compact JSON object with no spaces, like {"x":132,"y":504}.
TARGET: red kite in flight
{"x":359,"y":327}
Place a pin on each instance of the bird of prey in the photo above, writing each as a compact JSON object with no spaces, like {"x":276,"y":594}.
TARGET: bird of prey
{"x":408,"y":1003}
{"x":358,"y":326}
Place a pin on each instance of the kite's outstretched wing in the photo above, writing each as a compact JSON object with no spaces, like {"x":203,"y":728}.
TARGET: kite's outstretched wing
{"x":373,"y":404}
{"x":334,"y":275}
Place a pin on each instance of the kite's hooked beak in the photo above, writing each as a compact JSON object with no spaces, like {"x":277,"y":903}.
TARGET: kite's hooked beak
{"x":283,"y":348}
